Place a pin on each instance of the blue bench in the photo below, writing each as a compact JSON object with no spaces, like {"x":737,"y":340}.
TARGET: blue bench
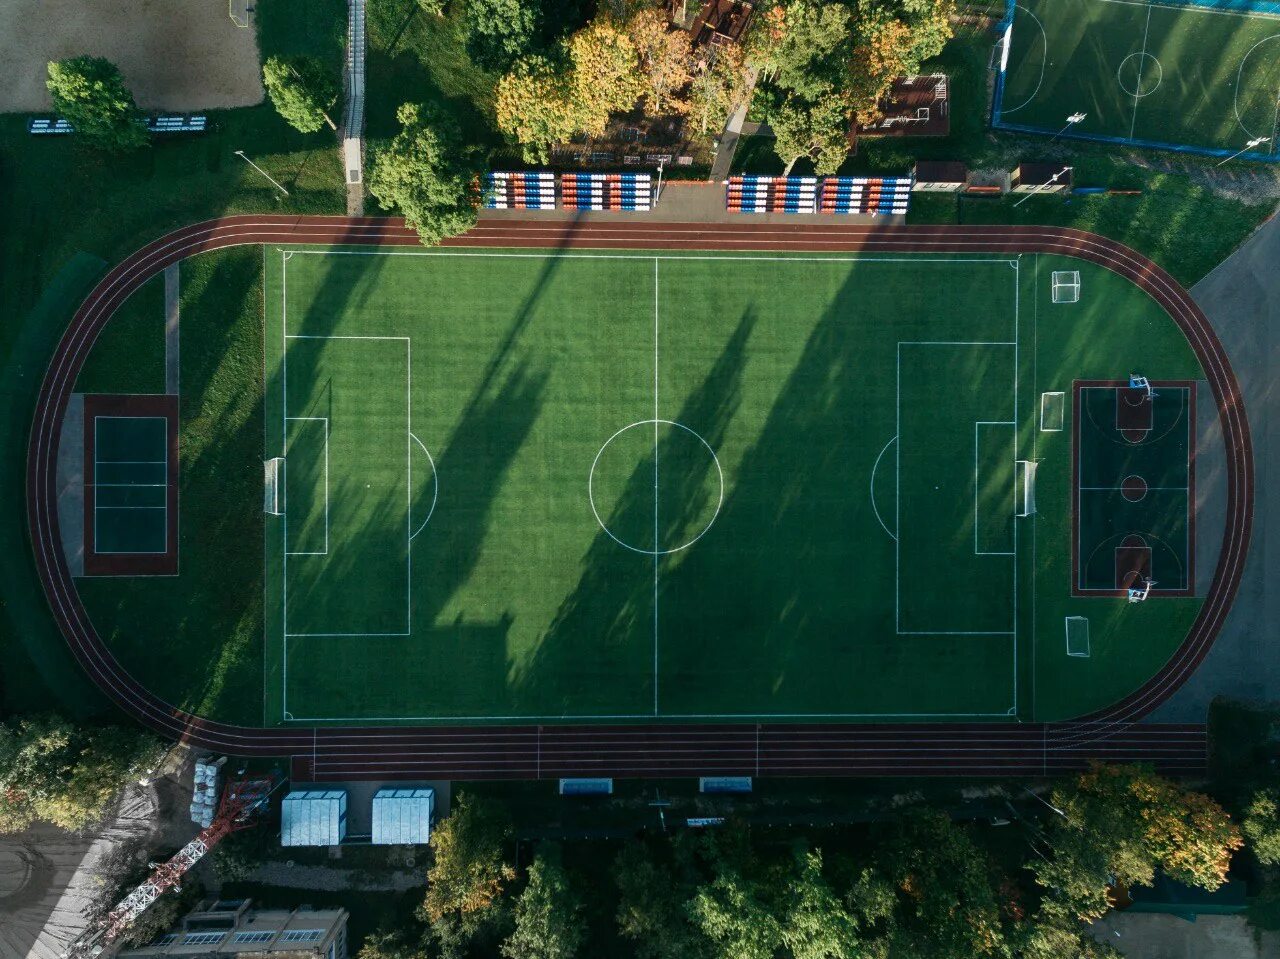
{"x":49,"y":126}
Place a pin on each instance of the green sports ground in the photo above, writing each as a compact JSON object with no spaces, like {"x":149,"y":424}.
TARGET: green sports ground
{"x":1183,"y":75}
{"x":538,"y":486}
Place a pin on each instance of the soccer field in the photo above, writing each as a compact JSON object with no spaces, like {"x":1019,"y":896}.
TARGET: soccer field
{"x":525,"y":485}
{"x":1153,"y":74}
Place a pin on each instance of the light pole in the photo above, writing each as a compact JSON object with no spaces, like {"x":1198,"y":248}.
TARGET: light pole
{"x":1050,"y":182}
{"x":1071,"y":121}
{"x":658,"y":195}
{"x":1034,"y":795}
{"x":1255,"y":142}
{"x":240,"y":154}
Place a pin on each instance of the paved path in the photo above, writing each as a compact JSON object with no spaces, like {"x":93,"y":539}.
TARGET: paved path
{"x":732,"y":131}
{"x":171,"y":290}
{"x":1241,"y":298}
{"x":353,"y":115}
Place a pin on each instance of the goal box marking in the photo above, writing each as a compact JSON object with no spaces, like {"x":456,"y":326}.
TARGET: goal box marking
{"x":271,"y":470}
{"x":1066,"y":286}
{"x":1053,"y":412}
{"x":1077,"y":628}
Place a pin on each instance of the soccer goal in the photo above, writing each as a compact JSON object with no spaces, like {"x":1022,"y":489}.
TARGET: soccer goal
{"x":1077,"y":636}
{"x":1066,"y":286}
{"x":1026,"y":487}
{"x":1053,"y":412}
{"x":240,"y":10}
{"x":272,"y":471}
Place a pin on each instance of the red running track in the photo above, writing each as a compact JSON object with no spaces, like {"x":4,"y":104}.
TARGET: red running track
{"x":769,"y":749}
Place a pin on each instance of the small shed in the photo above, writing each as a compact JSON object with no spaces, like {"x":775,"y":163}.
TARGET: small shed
{"x":313,"y":817}
{"x":940,"y":176}
{"x":1041,"y":178}
{"x":402,"y":817}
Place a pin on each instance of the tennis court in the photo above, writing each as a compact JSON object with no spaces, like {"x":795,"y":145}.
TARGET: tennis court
{"x":1194,"y":77}
{"x":624,"y":486}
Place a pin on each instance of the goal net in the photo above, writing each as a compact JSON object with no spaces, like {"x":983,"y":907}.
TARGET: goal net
{"x":271,"y":477}
{"x":1026,"y":487}
{"x":1053,"y":410}
{"x":1077,"y":636}
{"x":1066,"y":286}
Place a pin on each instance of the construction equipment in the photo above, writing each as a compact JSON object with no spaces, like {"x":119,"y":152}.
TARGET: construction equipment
{"x":241,"y":801}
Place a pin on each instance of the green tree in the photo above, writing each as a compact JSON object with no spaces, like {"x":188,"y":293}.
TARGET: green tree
{"x":717,"y":89}
{"x":548,"y":913}
{"x":812,"y":56}
{"x":470,"y":868}
{"x":1121,"y":823}
{"x":737,"y":914}
{"x":605,"y":72}
{"x":54,"y":771}
{"x":427,"y":174}
{"x":651,"y":904}
{"x":818,"y":924}
{"x":666,"y":59}
{"x":392,"y":944}
{"x":816,"y":130}
{"x":302,"y":89}
{"x":90,"y":93}
{"x":536,"y":106}
{"x":499,"y":32}
{"x":1261,"y":826}
{"x":892,"y":39}
{"x":947,"y":904}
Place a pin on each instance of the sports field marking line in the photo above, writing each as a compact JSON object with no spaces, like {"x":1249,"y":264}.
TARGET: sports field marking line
{"x":444,"y":719}
{"x":1150,"y":489}
{"x":977,"y":424}
{"x":1235,"y":96}
{"x":325,"y":421}
{"x":97,"y":419}
{"x":1138,"y":85}
{"x":874,"y":468}
{"x":435,"y":479}
{"x":656,"y":544}
{"x":924,"y":258}
{"x":1044,"y":61}
{"x":1186,"y":8}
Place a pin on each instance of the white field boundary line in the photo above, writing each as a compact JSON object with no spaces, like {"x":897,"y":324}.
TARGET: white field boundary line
{"x":657,"y":546}
{"x":167,"y":716}
{"x":922,"y":259}
{"x":977,"y":485}
{"x":1185,"y":8}
{"x":874,"y":469}
{"x":285,"y":337}
{"x":1044,"y":61}
{"x":325,"y":421}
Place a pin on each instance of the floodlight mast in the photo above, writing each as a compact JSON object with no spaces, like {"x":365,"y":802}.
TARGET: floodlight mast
{"x":1255,"y":142}
{"x":241,"y":801}
{"x":1071,"y":121}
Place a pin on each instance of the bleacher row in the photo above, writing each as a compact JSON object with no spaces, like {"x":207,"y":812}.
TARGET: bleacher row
{"x":163,"y":123}
{"x":577,"y":191}
{"x":870,"y":195}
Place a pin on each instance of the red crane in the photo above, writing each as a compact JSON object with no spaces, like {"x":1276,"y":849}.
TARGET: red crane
{"x":241,"y":800}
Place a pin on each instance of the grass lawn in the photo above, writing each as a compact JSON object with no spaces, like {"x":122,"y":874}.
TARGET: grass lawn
{"x":130,"y":357}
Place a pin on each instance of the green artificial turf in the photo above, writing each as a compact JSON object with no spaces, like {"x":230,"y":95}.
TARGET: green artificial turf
{"x":128,"y":356}
{"x":1144,"y":72}
{"x":495,"y":559}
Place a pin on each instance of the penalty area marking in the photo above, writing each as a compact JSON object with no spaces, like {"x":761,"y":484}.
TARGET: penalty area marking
{"x":592,"y":498}
{"x":875,"y":509}
{"x":1235,"y":97}
{"x":1044,"y":61}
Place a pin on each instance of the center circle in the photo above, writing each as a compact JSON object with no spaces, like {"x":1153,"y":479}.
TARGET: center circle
{"x":1139,"y":74}
{"x":1133,"y":488}
{"x":655,"y":487}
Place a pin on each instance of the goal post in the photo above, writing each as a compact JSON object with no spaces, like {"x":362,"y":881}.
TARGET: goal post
{"x":240,"y":10}
{"x":1053,"y":412}
{"x":1077,"y":636}
{"x":272,"y":471}
{"x":1026,"y":488}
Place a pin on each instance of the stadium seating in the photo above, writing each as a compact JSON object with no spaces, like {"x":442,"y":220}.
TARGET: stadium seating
{"x":606,"y":191}
{"x":869,"y":195}
{"x":873,"y":195}
{"x":772,"y":194}
{"x":520,"y":191}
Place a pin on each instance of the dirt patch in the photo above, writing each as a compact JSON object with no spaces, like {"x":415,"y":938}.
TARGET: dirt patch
{"x":175,"y":54}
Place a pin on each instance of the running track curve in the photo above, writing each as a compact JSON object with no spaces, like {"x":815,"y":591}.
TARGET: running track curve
{"x":767,"y":749}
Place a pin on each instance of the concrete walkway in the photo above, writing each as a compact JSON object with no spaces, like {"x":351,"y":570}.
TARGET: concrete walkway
{"x":1241,"y":297}
{"x":732,"y":132}
{"x":1151,"y":936}
{"x":171,"y":292}
{"x":353,"y":115}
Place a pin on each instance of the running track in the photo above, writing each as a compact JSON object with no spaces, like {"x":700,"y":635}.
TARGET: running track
{"x":489,"y":752}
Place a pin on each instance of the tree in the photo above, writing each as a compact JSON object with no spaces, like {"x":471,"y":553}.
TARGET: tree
{"x":302,"y":89}
{"x":812,"y":56}
{"x":605,"y":72}
{"x":433,"y":7}
{"x":818,"y":925}
{"x":817,"y":130}
{"x":536,"y":107}
{"x":54,"y":771}
{"x":1119,"y":824}
{"x":666,"y":59}
{"x":717,"y":89}
{"x":893,"y":38}
{"x":500,"y":31}
{"x":947,"y":904}
{"x":651,"y":906}
{"x":548,"y":913}
{"x":1261,"y":826}
{"x":391,"y":944}
{"x":90,"y":93}
{"x":735,"y":913}
{"x":427,"y":174}
{"x":762,"y":46}
{"x":470,"y":870}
